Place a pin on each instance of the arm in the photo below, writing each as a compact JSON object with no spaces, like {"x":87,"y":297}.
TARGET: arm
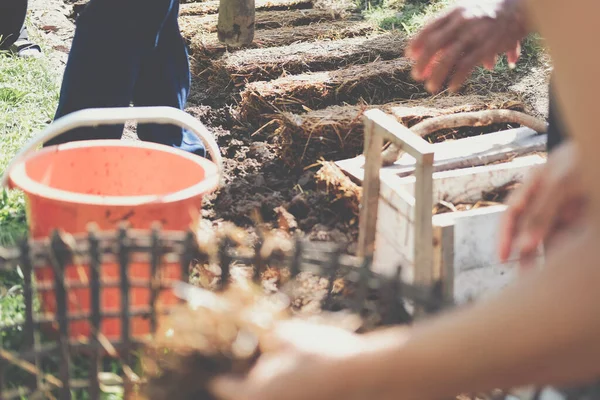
{"x":571,"y":29}
{"x":548,"y":204}
{"x":546,"y":327}
{"x":543,"y":329}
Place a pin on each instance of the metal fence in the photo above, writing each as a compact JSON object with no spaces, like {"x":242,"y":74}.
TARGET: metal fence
{"x":154,"y":248}
{"x":39,"y":379}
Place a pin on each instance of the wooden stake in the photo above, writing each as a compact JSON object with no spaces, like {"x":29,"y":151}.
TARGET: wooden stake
{"x":423,"y":252}
{"x":443,"y":256}
{"x":379,"y":126}
{"x":235,"y":26}
{"x":370,"y":191}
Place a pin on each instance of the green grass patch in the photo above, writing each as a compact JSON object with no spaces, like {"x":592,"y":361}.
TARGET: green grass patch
{"x":501,"y":78}
{"x":409,"y":17}
{"x":412,"y":16}
{"x":28,"y":98}
{"x":29,"y":92}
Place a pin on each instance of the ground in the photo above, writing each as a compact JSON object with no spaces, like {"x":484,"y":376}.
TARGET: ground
{"x":276,"y":109}
{"x":264,"y":167}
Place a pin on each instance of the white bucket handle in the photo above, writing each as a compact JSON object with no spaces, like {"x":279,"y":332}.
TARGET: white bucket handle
{"x":119,"y":115}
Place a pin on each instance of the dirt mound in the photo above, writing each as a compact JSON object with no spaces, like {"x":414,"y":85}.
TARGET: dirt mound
{"x":256,"y":182}
{"x":206,"y":44}
{"x":376,"y":82}
{"x":332,"y":180}
{"x":336,"y":132}
{"x":271,"y":63}
{"x":264,"y":20}
{"x":333,"y":133}
{"x":212,"y":7}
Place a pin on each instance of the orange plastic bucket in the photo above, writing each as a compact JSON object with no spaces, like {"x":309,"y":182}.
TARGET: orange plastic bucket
{"x":107,"y":182}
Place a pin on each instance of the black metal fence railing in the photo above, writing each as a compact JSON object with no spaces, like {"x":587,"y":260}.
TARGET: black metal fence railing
{"x":47,"y":361}
{"x":155,"y":248}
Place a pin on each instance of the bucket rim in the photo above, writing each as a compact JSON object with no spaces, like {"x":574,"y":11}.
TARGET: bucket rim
{"x":20,"y":179}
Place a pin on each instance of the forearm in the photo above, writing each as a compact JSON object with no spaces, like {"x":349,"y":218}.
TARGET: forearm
{"x":571,"y":29}
{"x":543,"y":329}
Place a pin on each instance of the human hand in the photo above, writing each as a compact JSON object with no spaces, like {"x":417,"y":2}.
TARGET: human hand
{"x":300,"y":361}
{"x":470,"y":33}
{"x":550,"y":201}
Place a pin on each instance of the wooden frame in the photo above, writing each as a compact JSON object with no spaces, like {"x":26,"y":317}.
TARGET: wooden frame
{"x":379,"y":127}
{"x":443,"y":251}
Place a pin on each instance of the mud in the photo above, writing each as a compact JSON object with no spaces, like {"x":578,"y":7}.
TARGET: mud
{"x":205,"y":45}
{"x":373,"y":83}
{"x":212,"y":7}
{"x":257,"y":182}
{"x":323,"y":55}
{"x":264,"y":20}
{"x":336,"y":132}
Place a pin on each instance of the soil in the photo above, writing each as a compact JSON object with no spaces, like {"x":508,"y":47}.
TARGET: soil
{"x":373,"y":83}
{"x":205,"y":44}
{"x":305,"y":74}
{"x":265,"y":20}
{"x":340,"y":71}
{"x":322,"y":55}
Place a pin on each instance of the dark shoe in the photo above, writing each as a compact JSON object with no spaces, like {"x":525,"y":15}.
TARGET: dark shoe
{"x":26,"y":49}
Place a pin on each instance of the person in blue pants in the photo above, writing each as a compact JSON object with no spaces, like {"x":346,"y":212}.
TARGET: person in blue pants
{"x":128,"y":52}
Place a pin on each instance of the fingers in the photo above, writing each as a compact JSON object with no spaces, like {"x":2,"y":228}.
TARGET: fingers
{"x":513,"y":55}
{"x":434,"y":41}
{"x":517,"y":204}
{"x":462,"y":54}
{"x":415,"y":47}
{"x":545,"y":209}
{"x":557,"y":202}
{"x":442,"y":69}
{"x":528,"y":260}
{"x":491,"y":62}
{"x":508,"y":228}
{"x":469,"y":62}
{"x":551,"y":210}
{"x":567,"y":225}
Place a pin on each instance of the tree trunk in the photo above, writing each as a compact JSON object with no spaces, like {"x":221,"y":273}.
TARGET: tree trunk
{"x":236,"y":22}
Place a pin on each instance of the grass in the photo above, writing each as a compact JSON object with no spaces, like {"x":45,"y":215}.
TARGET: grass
{"x":410,"y":16}
{"x":29,"y":91}
{"x":28,"y":98}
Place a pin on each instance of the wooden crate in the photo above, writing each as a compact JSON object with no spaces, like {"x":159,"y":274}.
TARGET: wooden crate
{"x":459,"y":248}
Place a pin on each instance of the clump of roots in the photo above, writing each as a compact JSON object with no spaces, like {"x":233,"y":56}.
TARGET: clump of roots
{"x":217,"y":334}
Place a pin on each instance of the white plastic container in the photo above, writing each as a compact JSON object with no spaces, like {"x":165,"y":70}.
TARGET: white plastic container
{"x":460,"y":247}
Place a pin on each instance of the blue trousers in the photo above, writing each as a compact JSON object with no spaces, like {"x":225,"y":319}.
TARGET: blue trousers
{"x":12,"y":20}
{"x":128,"y":52}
